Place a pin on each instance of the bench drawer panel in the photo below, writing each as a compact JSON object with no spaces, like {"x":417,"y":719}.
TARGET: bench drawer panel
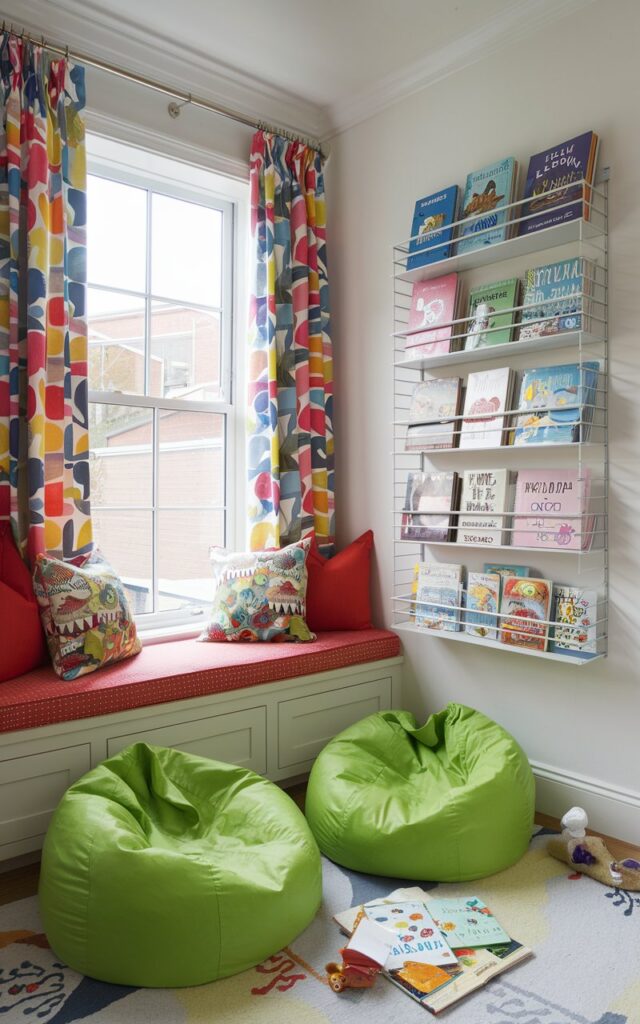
{"x":239,"y":737}
{"x":306,"y":724}
{"x":30,"y":789}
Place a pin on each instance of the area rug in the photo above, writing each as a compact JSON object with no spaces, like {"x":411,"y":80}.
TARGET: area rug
{"x":586,"y":968}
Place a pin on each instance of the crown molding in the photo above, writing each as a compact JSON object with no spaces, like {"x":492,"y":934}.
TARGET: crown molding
{"x":85,"y":26}
{"x":520,"y":20}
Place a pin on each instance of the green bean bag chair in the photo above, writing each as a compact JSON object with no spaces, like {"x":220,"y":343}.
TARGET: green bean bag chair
{"x":165,"y":869}
{"x":447,"y":802}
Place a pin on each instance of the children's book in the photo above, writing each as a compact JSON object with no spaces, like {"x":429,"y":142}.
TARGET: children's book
{"x":556,"y":298}
{"x":486,"y":192}
{"x":570,"y":161}
{"x":467,"y":922}
{"x":439,"y":596}
{"x":525,"y":608}
{"x":437,"y":987}
{"x":560,"y":402}
{"x":482,"y":603}
{"x":487,"y":325}
{"x":577,"y":610}
{"x":488,"y":392}
{"x":551,"y":509}
{"x":429,"y":503}
{"x":430,"y":234}
{"x":432,"y":403}
{"x":416,"y":936}
{"x":484,"y":505}
{"x":433,"y":302}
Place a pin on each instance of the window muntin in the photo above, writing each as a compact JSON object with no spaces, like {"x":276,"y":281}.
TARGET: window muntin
{"x":160,"y":387}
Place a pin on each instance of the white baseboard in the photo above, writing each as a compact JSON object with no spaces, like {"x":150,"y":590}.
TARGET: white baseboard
{"x":611,"y":809}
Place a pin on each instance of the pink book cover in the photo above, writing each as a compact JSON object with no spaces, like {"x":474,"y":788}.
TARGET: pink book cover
{"x":433,"y":302}
{"x":551,"y":508}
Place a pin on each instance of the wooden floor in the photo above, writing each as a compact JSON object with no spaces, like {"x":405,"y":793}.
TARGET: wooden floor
{"x":21,"y":882}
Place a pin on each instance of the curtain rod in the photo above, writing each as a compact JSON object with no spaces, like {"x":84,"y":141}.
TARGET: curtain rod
{"x":185,"y":98}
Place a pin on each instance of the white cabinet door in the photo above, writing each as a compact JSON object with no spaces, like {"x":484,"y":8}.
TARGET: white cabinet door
{"x":30,"y":789}
{"x":306,"y":724}
{"x":239,"y":737}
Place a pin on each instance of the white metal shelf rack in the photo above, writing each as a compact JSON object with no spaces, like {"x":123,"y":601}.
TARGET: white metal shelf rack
{"x":586,"y":237}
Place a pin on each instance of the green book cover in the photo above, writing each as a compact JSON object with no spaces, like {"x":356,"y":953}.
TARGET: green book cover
{"x":485,"y":303}
{"x":467,"y":922}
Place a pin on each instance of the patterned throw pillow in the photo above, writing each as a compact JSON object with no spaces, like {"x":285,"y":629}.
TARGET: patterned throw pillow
{"x":85,"y":614}
{"x":260,"y":595}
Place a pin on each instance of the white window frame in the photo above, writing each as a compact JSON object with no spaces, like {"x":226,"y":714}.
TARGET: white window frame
{"x":156,"y":174}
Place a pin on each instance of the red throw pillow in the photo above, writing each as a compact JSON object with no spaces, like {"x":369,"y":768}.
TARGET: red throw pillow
{"x":21,"y":637}
{"x":338,"y":587}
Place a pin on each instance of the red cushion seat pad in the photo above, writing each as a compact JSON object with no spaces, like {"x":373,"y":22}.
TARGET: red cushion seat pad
{"x":178,"y":670}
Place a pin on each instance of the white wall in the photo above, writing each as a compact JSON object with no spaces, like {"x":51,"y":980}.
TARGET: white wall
{"x":581,"y":74}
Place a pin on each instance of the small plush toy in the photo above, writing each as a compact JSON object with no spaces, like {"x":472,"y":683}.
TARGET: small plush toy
{"x":590,"y":856}
{"x":356,"y":971}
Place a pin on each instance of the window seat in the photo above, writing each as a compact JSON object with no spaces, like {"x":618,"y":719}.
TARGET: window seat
{"x":268,"y":707}
{"x":180,"y":669}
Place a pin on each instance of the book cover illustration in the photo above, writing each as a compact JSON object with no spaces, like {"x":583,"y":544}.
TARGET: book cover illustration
{"x":483,"y":601}
{"x":439,"y":596}
{"x":551,"y":509}
{"x":555,"y":298}
{"x":422,"y":982}
{"x":487,"y":325}
{"x":577,"y":611}
{"x":432,"y":403}
{"x":431,"y":497}
{"x":486,"y":192}
{"x":433,"y":302}
{"x":488,"y":391}
{"x":525,"y":609}
{"x":484,"y":504}
{"x":430,"y":234}
{"x":560,"y":401}
{"x":570,"y":161}
{"x":416,"y":936}
{"x":467,"y":922}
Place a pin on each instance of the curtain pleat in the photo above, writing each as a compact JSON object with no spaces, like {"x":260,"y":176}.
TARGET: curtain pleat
{"x":44,"y":442}
{"x":290,"y":452}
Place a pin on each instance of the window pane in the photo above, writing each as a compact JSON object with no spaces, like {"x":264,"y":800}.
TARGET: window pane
{"x":191,"y":459}
{"x":184,"y":571}
{"x":121,"y":460}
{"x":116,"y":234}
{"x":185,"y":352}
{"x":116,"y":342}
{"x":125,"y":540}
{"x":186,"y":251}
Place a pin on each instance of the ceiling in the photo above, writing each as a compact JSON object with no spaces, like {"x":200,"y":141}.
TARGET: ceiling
{"x":331,"y":61}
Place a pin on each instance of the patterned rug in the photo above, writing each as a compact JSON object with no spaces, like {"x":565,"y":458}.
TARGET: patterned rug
{"x":586,"y":968}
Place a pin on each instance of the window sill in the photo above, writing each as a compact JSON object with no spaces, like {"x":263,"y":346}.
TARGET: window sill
{"x":166,"y":633}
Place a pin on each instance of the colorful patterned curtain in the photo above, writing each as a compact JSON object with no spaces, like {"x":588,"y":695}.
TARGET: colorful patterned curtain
{"x":44,"y":448}
{"x":290,"y":458}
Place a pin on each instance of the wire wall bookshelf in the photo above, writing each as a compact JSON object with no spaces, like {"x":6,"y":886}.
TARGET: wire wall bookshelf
{"x":585,"y":565}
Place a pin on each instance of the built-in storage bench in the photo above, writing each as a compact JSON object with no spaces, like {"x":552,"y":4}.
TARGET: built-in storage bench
{"x":269,"y":707}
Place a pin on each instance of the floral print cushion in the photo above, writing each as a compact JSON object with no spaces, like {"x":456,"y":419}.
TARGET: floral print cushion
{"x":260,"y":595}
{"x":85,"y":614}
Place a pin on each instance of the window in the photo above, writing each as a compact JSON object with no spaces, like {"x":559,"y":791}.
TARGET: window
{"x":160,"y":302}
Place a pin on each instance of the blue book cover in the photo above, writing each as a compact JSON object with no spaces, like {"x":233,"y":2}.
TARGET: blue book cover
{"x":482,"y":601}
{"x":576,"y":612}
{"x":437,"y":607}
{"x":429,"y":228}
{"x":485,"y":193}
{"x":553,"y":298}
{"x":560,"y":400}
{"x":570,"y":161}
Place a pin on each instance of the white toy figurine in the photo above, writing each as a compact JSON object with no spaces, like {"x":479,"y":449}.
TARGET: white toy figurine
{"x":590,"y":856}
